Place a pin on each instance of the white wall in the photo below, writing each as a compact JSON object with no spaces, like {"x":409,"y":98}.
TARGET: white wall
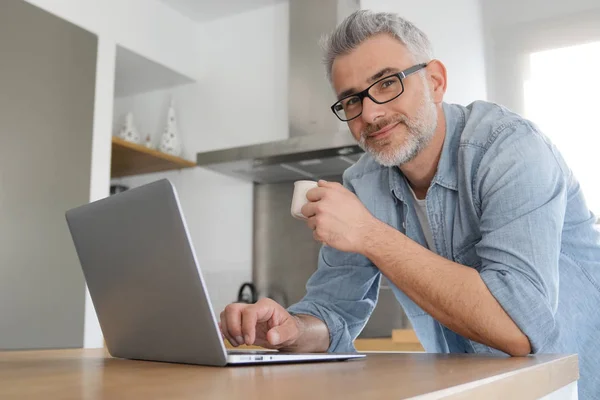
{"x":152,"y":30}
{"x":242,"y":100}
{"x":456,"y":33}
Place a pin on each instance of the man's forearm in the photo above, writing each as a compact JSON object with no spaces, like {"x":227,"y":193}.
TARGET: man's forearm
{"x":314,"y":335}
{"x":452,"y":293}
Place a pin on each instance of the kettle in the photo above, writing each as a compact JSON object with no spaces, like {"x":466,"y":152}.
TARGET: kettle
{"x":247,"y":293}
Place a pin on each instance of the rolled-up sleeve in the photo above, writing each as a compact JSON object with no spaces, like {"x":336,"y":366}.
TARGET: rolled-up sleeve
{"x":521,"y":186}
{"x":342,"y":293}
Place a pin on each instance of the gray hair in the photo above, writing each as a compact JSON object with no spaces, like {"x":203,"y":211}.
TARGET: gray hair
{"x":363,"y":24}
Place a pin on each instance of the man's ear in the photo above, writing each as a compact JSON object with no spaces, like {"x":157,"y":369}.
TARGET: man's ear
{"x":436,"y":75}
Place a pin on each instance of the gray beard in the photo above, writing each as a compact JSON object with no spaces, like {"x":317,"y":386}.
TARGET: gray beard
{"x":420,"y":131}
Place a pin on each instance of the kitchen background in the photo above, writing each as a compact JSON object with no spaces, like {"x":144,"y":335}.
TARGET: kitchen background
{"x":238,"y":72}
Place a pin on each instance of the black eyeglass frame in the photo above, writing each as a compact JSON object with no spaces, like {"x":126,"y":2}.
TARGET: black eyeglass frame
{"x":365,"y":93}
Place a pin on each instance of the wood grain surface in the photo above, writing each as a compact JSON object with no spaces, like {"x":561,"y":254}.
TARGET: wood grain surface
{"x":93,"y":374}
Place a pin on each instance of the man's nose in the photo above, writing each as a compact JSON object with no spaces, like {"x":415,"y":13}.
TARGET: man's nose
{"x":371,"y":110}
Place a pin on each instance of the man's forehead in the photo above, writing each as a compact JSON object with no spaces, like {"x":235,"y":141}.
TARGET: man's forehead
{"x":374,"y":55}
{"x":382,"y":73}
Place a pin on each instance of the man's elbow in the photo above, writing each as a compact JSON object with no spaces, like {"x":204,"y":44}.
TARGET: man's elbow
{"x":519,"y":347}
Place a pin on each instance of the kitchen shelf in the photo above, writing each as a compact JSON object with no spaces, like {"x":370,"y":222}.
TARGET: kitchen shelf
{"x":134,"y":159}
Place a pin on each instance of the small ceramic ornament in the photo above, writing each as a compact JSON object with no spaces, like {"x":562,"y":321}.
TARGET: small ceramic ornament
{"x":148,"y":142}
{"x":170,"y":142}
{"x":128,"y":131}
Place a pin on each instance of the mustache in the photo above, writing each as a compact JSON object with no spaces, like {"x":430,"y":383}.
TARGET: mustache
{"x":372,"y":128}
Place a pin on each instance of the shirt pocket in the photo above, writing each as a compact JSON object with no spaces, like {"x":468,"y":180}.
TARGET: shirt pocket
{"x":468,"y":256}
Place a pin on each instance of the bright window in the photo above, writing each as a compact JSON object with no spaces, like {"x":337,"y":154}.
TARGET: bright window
{"x":562,"y":96}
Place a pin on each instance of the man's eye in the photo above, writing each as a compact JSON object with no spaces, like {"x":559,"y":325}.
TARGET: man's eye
{"x":388,"y":83}
{"x":351,"y":101}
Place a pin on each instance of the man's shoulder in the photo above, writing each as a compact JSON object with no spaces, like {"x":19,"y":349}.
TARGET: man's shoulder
{"x":494,"y":136}
{"x":485,"y":122}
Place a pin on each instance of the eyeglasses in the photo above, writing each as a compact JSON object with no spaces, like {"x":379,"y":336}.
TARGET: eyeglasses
{"x":384,"y":90}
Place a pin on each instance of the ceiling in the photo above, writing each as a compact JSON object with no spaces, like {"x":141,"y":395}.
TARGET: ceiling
{"x":208,"y":10}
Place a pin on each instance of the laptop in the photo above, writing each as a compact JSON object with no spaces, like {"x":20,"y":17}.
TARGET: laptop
{"x":146,"y":286}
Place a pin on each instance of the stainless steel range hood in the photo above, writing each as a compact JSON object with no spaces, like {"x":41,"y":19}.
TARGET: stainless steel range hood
{"x":318,"y":145}
{"x":300,"y":157}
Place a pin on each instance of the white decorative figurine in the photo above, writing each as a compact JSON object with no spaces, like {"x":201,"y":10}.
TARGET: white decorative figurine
{"x":148,"y":142}
{"x":128,"y":131}
{"x":170,"y":142}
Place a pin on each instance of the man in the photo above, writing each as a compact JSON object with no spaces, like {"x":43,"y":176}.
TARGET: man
{"x":470,"y":212}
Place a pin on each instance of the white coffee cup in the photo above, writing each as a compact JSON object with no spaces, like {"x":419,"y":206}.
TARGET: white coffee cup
{"x":299,"y":198}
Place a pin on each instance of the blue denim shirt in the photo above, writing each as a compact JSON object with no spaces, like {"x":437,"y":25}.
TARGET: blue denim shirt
{"x":503,"y":201}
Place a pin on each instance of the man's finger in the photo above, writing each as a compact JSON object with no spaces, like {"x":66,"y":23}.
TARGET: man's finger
{"x":233,"y":320}
{"x":309,"y":210}
{"x":221,"y":331}
{"x":252,"y":315}
{"x":223,"y":326}
{"x":249,"y":319}
{"x":312,"y":223}
{"x":316,"y":194}
{"x":330,"y":185}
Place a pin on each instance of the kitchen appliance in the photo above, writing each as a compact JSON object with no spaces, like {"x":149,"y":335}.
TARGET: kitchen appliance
{"x":247,"y":293}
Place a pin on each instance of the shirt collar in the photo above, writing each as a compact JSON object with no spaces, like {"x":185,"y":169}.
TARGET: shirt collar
{"x":446,"y":174}
{"x":447,"y":171}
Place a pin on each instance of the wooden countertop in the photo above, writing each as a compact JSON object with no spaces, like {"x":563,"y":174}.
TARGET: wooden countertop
{"x":93,"y":374}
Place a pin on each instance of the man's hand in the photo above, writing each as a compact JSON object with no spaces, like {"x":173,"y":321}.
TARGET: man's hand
{"x":337,"y":217}
{"x":265,"y":324}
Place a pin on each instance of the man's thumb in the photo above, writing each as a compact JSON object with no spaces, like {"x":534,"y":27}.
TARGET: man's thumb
{"x":283,"y":333}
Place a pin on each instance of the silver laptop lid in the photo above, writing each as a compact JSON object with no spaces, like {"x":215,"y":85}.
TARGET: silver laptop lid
{"x":142,"y":274}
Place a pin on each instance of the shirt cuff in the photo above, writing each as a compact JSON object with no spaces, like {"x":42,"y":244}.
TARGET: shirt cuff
{"x":339,"y":336}
{"x":525,"y":304}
